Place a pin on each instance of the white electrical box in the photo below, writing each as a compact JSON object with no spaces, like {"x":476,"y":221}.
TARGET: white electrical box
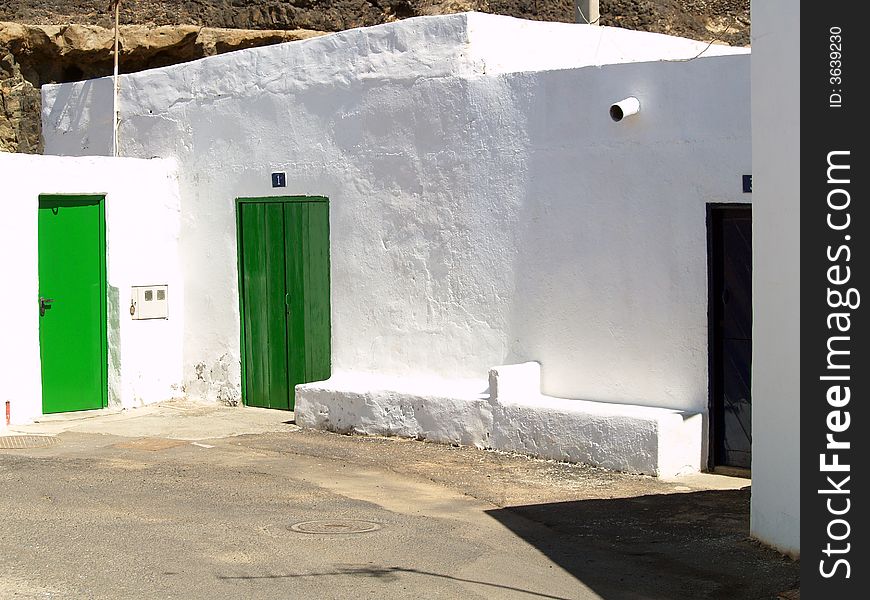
{"x":149,"y":302}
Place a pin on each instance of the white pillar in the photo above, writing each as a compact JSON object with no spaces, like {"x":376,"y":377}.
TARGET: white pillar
{"x":115,"y":112}
{"x":586,"y":11}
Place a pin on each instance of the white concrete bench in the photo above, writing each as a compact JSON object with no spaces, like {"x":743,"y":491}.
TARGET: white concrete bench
{"x":623,"y":437}
{"x":508,"y":414}
{"x":450,"y":412}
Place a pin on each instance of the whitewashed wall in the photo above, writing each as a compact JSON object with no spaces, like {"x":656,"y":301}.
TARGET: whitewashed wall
{"x":476,"y":219}
{"x":142,"y":227}
{"x":500,"y":44}
{"x":776,"y":274}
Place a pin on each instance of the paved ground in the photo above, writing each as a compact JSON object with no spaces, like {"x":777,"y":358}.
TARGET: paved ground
{"x":189,"y":501}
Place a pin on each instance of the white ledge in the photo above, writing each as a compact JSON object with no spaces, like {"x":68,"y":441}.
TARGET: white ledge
{"x":511,"y":415}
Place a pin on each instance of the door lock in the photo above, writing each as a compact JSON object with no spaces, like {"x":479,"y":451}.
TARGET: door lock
{"x":44,"y":304}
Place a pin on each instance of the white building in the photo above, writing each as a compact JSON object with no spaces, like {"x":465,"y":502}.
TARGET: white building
{"x":132,"y":239}
{"x":456,"y":196}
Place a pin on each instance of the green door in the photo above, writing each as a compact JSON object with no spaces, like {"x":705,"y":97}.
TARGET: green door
{"x":72,"y":302}
{"x":284,"y":295}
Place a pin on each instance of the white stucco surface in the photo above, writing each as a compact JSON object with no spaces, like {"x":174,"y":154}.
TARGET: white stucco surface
{"x":479,"y":216}
{"x":380,"y":405}
{"x":142,"y":227}
{"x":500,"y":44}
{"x":775,"y":515}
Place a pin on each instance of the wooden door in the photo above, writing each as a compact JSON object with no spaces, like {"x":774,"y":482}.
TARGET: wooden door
{"x":731,"y":336}
{"x":285,"y":297}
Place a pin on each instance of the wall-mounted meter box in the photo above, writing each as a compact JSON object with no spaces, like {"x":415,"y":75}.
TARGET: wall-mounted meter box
{"x":149,"y":302}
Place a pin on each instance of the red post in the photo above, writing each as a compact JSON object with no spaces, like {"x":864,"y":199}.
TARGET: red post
{"x":8,"y":413}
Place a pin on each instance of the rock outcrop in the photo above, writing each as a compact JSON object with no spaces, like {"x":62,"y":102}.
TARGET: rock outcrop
{"x":20,"y":126}
{"x":697,"y":19}
{"x":59,"y":53}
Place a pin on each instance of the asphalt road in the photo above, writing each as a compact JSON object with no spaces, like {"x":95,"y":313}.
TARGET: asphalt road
{"x":186,"y":501}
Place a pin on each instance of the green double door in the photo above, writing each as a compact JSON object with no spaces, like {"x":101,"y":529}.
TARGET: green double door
{"x":284,"y":295}
{"x":72,"y":302}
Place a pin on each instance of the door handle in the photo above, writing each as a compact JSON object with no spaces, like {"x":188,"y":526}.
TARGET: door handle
{"x":44,"y":304}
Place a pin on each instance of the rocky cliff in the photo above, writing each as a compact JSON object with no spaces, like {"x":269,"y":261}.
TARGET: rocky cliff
{"x":44,"y":41}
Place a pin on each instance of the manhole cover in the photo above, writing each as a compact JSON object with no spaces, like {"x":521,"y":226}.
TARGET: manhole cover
{"x":335,"y":526}
{"x":22,"y":442}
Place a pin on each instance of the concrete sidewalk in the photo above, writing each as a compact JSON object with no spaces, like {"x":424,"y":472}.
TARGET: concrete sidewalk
{"x":185,"y":500}
{"x":175,"y":419}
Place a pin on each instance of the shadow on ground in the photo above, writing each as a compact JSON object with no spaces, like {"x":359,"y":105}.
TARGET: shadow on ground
{"x":392,"y":575}
{"x":664,"y":546}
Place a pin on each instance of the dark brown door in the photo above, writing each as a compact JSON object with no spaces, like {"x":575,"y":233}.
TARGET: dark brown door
{"x":730,"y":230}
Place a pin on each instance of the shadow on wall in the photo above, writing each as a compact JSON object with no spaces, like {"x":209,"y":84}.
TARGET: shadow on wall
{"x":664,"y":546}
{"x":113,"y":339}
{"x":72,"y":110}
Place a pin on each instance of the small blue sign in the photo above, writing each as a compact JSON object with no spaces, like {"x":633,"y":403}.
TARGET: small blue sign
{"x":747,"y":184}
{"x":279,"y":180}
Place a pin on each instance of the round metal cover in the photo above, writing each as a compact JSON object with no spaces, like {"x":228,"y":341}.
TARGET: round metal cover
{"x":330,"y":526}
{"x":22,"y":442}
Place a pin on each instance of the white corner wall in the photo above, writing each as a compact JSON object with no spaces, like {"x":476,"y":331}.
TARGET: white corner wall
{"x":609,"y":254}
{"x":775,"y":516}
{"x":476,"y":219}
{"x":142,"y":227}
{"x":501,"y":44}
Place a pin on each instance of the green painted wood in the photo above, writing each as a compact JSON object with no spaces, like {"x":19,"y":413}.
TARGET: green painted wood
{"x":252,"y":253}
{"x":263,"y":287}
{"x":294,"y":217}
{"x":317,"y":309}
{"x":284,"y":296}
{"x":309,"y":328}
{"x":276,"y":383}
{"x":72,"y":328}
